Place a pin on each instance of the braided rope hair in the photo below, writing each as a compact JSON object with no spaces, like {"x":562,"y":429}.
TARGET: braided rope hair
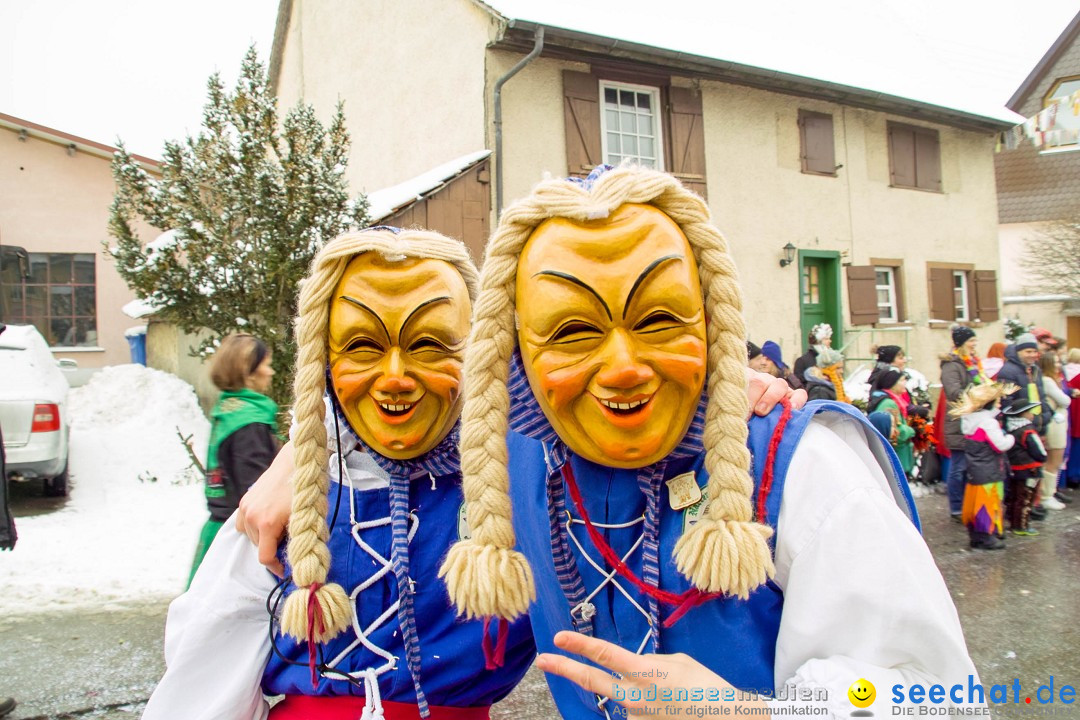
{"x":307,"y":551}
{"x":726,"y":551}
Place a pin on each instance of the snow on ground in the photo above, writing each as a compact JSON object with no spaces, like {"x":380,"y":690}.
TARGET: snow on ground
{"x":128,"y":531}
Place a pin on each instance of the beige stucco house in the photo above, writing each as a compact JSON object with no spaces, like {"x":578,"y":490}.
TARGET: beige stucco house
{"x":1038,"y":183}
{"x":873,"y":212}
{"x":55,"y":192}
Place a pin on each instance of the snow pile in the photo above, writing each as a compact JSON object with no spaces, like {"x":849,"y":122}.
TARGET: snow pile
{"x":128,"y":530}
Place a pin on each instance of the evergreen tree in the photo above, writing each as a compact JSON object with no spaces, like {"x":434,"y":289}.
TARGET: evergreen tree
{"x":247,"y":204}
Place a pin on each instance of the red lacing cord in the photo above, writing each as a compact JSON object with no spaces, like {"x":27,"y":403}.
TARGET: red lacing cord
{"x":683,"y":601}
{"x":494,"y":658}
{"x":314,"y":610}
{"x":770,"y":461}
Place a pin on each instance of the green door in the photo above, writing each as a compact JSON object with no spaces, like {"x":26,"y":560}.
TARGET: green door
{"x":819,"y":293}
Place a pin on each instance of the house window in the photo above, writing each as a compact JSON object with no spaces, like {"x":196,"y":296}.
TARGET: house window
{"x":1065,"y":134}
{"x":960,"y":295}
{"x":630,"y":124}
{"x":914,"y":157}
{"x":811,"y":285}
{"x":58,"y":297}
{"x":885,"y":284}
{"x":817,"y":148}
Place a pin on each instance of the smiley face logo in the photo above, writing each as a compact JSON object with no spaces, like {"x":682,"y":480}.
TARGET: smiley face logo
{"x":861,"y":693}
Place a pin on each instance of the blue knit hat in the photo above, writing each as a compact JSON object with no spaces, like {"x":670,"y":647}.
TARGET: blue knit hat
{"x":772,"y":351}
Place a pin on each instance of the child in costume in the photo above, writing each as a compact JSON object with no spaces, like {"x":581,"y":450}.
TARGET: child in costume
{"x":243,"y":430}
{"x":604,"y":397}
{"x":985,"y":448}
{"x":888,"y":394}
{"x":1026,"y":458}
{"x":365,"y":629}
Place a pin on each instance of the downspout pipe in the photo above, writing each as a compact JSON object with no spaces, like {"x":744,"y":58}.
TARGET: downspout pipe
{"x":538,"y":46}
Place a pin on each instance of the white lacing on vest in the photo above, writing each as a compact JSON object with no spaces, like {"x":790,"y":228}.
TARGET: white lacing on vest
{"x":586,"y":609}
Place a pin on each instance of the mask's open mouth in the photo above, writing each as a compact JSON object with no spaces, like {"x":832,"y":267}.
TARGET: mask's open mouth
{"x":625,"y":409}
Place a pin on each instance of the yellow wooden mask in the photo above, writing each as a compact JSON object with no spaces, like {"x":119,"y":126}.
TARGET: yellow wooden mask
{"x":612,"y":333}
{"x":396,"y":344}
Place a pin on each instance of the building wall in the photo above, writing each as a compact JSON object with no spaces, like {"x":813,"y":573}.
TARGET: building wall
{"x":51,"y":201}
{"x":413,"y":87}
{"x":761,"y":200}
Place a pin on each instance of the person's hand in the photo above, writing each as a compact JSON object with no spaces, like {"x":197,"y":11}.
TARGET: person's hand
{"x":765,"y":391}
{"x":265,"y":508}
{"x":638,"y":674}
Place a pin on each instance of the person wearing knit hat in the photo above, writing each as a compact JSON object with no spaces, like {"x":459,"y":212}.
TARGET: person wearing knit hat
{"x":985,"y":445}
{"x":753,"y":356}
{"x":364,"y":629}
{"x":888,"y":394}
{"x":960,"y":368}
{"x":886,"y":357}
{"x":825,"y":381}
{"x":1026,"y":459}
{"x":1022,"y":370}
{"x":608,"y":479}
{"x":774,"y":364}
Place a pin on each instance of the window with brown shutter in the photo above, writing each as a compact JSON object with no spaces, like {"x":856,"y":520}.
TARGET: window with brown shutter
{"x":862,"y":294}
{"x":986,"y":296}
{"x":609,"y":118}
{"x":581,"y":112}
{"x":818,"y":152}
{"x":942,"y":307}
{"x":891,"y":300}
{"x":914,"y":157}
{"x":686,"y":132}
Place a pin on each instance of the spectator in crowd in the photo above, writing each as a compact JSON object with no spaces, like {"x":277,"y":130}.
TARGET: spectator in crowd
{"x":888,"y":395}
{"x":960,"y":368}
{"x":1026,"y":458}
{"x":243,"y":430}
{"x":807,"y":359}
{"x":1045,"y":339}
{"x":995,"y":358}
{"x":1057,"y":434}
{"x":774,"y":364}
{"x":888,"y":357}
{"x":1021,"y":369}
{"x":824,"y":380}
{"x":754,"y":358}
{"x":1072,"y":384}
{"x":985,"y":445}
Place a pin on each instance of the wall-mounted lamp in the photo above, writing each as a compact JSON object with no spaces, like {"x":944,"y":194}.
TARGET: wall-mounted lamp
{"x":71,"y":149}
{"x":22,"y":135}
{"x":789,"y":255}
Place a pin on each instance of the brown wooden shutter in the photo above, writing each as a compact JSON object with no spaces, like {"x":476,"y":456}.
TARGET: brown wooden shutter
{"x":927,"y":160}
{"x":581,"y":111}
{"x":862,"y":294}
{"x":901,"y":156}
{"x":942,"y":306}
{"x":686,"y":130}
{"x":986,"y":296}
{"x":818,"y":150}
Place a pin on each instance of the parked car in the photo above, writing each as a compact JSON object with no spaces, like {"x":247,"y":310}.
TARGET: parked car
{"x":33,"y":410}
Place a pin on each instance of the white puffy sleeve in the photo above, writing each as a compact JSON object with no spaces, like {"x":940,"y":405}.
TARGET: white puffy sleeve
{"x":217,"y":638}
{"x":863,"y":598}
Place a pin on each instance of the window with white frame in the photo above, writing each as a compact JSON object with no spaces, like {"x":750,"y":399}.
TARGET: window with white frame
{"x":960,"y":294}
{"x":888,"y":311}
{"x":630,"y":124}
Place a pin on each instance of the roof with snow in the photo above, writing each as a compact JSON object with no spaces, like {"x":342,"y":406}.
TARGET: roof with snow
{"x":398,"y":198}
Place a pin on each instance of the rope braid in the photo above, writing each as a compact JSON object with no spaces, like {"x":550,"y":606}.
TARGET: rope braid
{"x":307,"y":551}
{"x":726,"y":551}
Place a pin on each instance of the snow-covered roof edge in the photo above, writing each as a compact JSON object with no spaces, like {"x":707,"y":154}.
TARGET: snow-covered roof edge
{"x":388,"y":201}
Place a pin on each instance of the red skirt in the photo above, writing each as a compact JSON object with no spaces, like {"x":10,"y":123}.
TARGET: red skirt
{"x":348,"y":707}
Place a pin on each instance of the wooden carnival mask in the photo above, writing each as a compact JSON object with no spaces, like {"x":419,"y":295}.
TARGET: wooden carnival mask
{"x":612,"y":333}
{"x":397,"y":339}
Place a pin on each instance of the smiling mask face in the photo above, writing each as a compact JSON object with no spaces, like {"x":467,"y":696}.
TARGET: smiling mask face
{"x":612,"y":333}
{"x":397,"y":338}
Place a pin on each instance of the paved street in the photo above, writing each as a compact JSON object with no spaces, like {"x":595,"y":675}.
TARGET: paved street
{"x":1019,"y":609}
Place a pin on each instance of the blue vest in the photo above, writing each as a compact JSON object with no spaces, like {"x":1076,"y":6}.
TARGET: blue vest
{"x":734,"y":638}
{"x":452,"y":664}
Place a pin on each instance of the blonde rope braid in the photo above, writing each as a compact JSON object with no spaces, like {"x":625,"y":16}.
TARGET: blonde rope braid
{"x":724,"y":552}
{"x":307,"y":551}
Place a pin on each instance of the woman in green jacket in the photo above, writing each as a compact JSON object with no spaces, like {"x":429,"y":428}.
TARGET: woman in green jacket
{"x":243,"y":439}
{"x":888,"y":395}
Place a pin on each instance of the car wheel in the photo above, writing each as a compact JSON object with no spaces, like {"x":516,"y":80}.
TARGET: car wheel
{"x":58,"y":486}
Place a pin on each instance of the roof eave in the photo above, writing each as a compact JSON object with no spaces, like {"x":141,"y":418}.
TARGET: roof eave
{"x":1063,"y":41}
{"x":81,"y":144}
{"x":584,"y":46}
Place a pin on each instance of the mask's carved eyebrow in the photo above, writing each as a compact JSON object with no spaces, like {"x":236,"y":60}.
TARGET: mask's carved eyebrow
{"x":644,"y":274}
{"x":418,"y":308}
{"x":575,"y":281}
{"x":373,"y":314}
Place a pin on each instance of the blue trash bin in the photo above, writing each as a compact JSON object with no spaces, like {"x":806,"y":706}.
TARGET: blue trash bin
{"x":137,"y":343}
